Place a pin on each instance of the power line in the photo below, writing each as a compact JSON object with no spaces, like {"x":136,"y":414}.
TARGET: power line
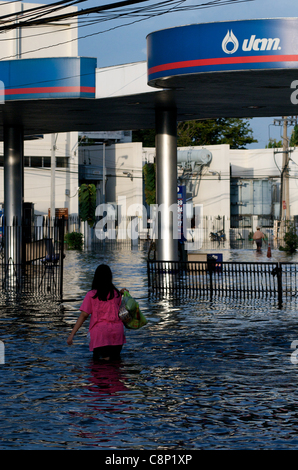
{"x":30,"y":11}
{"x":116,"y":6}
{"x":86,"y":11}
{"x":147,"y":12}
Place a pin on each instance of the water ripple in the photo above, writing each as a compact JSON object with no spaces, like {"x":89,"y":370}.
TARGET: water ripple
{"x":200,"y":375}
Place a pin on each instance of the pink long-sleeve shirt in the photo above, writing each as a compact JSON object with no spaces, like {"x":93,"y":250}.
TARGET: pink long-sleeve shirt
{"x":105,"y":328}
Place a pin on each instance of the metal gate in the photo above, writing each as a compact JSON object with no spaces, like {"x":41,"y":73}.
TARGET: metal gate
{"x":32,"y":260}
{"x":243,"y":280}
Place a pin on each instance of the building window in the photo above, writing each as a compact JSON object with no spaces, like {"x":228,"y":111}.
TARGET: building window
{"x":41,"y":162}
{"x":36,"y":162}
{"x":62,"y":162}
{"x":47,"y":162}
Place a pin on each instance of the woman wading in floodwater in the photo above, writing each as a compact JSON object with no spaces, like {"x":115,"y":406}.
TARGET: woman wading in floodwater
{"x":106,"y":329}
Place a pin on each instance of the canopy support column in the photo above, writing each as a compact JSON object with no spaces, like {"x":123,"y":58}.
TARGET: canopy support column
{"x":13,"y":200}
{"x":166,"y":184}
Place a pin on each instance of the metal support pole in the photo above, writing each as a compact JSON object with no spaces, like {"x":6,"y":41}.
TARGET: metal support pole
{"x":277,"y":271}
{"x":211,"y":270}
{"x":13,"y":174}
{"x":166,"y":183}
{"x":104,"y":173}
{"x":286,"y":166}
{"x":61,"y":254}
{"x":53,"y":177}
{"x":279,"y":283}
{"x":13,"y":197}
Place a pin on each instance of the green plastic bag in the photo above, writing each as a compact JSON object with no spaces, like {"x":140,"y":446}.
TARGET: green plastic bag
{"x":138,"y":319}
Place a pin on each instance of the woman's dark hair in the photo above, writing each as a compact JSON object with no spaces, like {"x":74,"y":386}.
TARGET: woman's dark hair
{"x":103,"y":283}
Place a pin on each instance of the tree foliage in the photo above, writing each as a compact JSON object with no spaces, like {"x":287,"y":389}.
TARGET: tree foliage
{"x":146,"y":136}
{"x":74,"y":240}
{"x":87,"y":203}
{"x":290,"y":239}
{"x":149,"y":172}
{"x":274,"y":144}
{"x":294,"y":137}
{"x":235,"y":132}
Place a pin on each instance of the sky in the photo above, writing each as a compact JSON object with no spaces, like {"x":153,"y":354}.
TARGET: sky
{"x":127,"y":44}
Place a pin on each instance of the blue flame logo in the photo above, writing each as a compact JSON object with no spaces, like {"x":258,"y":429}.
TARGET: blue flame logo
{"x":230,"y":43}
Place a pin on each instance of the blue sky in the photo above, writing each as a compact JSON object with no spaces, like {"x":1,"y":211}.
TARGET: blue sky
{"x":128,"y":44}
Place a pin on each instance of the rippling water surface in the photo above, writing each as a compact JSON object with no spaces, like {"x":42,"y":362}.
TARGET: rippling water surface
{"x":200,"y":375}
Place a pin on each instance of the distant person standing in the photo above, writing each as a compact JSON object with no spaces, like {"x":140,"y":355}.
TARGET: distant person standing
{"x":258,"y":237}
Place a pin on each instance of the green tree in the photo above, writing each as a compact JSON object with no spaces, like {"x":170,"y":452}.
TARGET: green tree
{"x":290,"y":239}
{"x":235,"y":132}
{"x":294,"y":137}
{"x":146,"y":136}
{"x":74,"y":240}
{"x":87,"y":203}
{"x":274,"y":144}
{"x":149,"y":171}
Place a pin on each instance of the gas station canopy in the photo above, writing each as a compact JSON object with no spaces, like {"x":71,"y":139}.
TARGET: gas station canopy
{"x":229,"y":69}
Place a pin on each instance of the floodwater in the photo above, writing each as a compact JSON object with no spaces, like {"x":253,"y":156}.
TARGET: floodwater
{"x":202,"y":374}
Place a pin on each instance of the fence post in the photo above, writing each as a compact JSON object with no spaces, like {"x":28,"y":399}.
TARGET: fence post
{"x":277,"y":271}
{"x":148,"y":274}
{"x":211,"y":269}
{"x":279,"y":284}
{"x":61,"y":236}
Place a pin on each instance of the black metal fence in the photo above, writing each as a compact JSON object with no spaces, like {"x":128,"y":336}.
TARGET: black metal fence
{"x":209,"y":279}
{"x":32,"y":260}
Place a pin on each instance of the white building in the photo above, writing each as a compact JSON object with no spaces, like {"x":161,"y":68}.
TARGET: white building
{"x":49,"y":40}
{"x":237,"y":189}
{"x":240,"y":183}
{"x":37,"y":173}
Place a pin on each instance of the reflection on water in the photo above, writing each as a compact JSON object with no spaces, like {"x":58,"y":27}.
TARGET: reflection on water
{"x":200,"y":375}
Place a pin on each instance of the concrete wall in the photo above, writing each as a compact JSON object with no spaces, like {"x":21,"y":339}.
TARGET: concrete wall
{"x":123,"y":163}
{"x":127,"y":79}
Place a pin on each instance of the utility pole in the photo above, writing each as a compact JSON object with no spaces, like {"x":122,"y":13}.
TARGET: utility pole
{"x":18,"y":36}
{"x":104,"y":172}
{"x":53,"y":175}
{"x":284,"y":187}
{"x":285,"y":166}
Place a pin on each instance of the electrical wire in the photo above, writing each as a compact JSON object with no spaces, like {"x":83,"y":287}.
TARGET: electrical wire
{"x":33,"y":14}
{"x":41,"y":21}
{"x":146,"y":12}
